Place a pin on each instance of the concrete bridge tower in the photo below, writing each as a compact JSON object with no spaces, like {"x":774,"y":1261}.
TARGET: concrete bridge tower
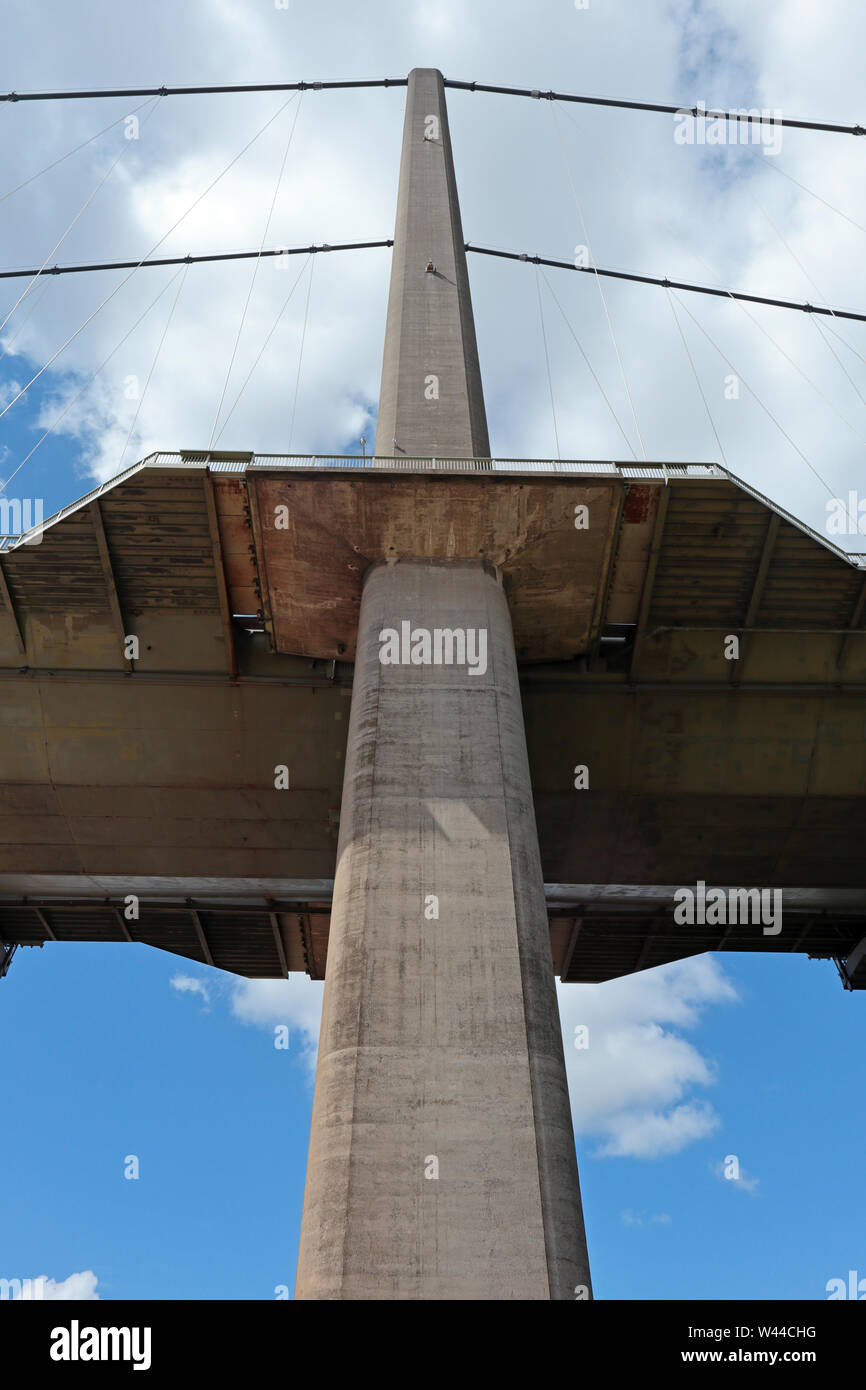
{"x":442,"y":1161}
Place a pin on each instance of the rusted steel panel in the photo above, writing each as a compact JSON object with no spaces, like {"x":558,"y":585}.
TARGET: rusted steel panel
{"x":239,"y":557}
{"x":318,"y":535}
{"x":632,"y":553}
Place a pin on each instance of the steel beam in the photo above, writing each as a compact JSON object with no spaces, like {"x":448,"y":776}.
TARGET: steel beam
{"x":120,"y":626}
{"x":647,"y":595}
{"x":757,"y":594}
{"x":10,"y":609}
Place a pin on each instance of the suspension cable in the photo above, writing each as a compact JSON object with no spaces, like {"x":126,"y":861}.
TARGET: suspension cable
{"x":688,"y":353}
{"x":256,"y":266}
{"x":547,"y":363}
{"x":156,"y":356}
{"x":262,"y":349}
{"x":699,"y":111}
{"x":195,"y":260}
{"x":91,"y":94}
{"x":137,"y":265}
{"x":754,"y":394}
{"x":69,"y":153}
{"x":592,"y":371}
{"x":301,"y":353}
{"x":620,"y":362}
{"x":664,"y":282}
{"x":80,"y":213}
{"x":93,"y":375}
{"x":740,"y":117}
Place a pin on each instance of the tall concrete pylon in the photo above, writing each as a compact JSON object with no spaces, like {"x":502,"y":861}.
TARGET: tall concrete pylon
{"x":442,"y":1161}
{"x":431,"y":402}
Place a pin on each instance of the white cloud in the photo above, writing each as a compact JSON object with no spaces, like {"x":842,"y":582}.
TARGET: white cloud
{"x":632,"y":1218}
{"x":650,"y":206}
{"x":189,"y":984}
{"x":8,"y":391}
{"x":744,"y":1181}
{"x":295,"y":1002}
{"x":639,"y":1133}
{"x":633,"y":1088}
{"x":77,"y":1288}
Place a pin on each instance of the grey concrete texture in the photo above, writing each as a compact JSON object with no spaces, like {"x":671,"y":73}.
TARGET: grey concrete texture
{"x":430,"y":329}
{"x":440,"y":1037}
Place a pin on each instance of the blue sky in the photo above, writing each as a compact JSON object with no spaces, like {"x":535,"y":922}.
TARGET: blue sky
{"x":758,"y":1058}
{"x":109,"y":1060}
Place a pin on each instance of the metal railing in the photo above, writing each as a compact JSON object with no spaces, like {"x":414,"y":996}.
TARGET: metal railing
{"x":219,"y":461}
{"x":401,"y":463}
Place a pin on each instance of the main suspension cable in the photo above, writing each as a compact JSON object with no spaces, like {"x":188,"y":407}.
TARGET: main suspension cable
{"x":699,"y":111}
{"x":194,"y":260}
{"x":665,"y":283}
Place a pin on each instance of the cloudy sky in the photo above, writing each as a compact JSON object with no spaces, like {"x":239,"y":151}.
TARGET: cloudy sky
{"x":533,"y":177}
{"x":689,"y":1065}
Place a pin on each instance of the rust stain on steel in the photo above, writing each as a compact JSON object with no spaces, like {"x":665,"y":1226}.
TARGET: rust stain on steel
{"x":238,"y":543}
{"x":639,"y":503}
{"x":632,"y":553}
{"x":315,"y":552}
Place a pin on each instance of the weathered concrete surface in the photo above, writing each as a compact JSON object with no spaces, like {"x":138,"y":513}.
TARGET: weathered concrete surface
{"x":141,"y":777}
{"x":332,"y":528}
{"x":430,"y":330}
{"x":440,"y":1037}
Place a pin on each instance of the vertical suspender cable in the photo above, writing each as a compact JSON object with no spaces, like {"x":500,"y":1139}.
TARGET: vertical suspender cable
{"x":156,"y":357}
{"x":148,"y":254}
{"x":598,"y":282}
{"x":256,"y":265}
{"x":301,"y":353}
{"x":84,"y":206}
{"x":547,"y":364}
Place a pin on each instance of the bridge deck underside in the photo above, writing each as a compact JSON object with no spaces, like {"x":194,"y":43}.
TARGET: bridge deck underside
{"x":156,"y":775}
{"x":590,"y":942}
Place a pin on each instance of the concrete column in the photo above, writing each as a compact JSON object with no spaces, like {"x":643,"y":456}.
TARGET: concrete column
{"x":442,"y":1161}
{"x":431,"y":399}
